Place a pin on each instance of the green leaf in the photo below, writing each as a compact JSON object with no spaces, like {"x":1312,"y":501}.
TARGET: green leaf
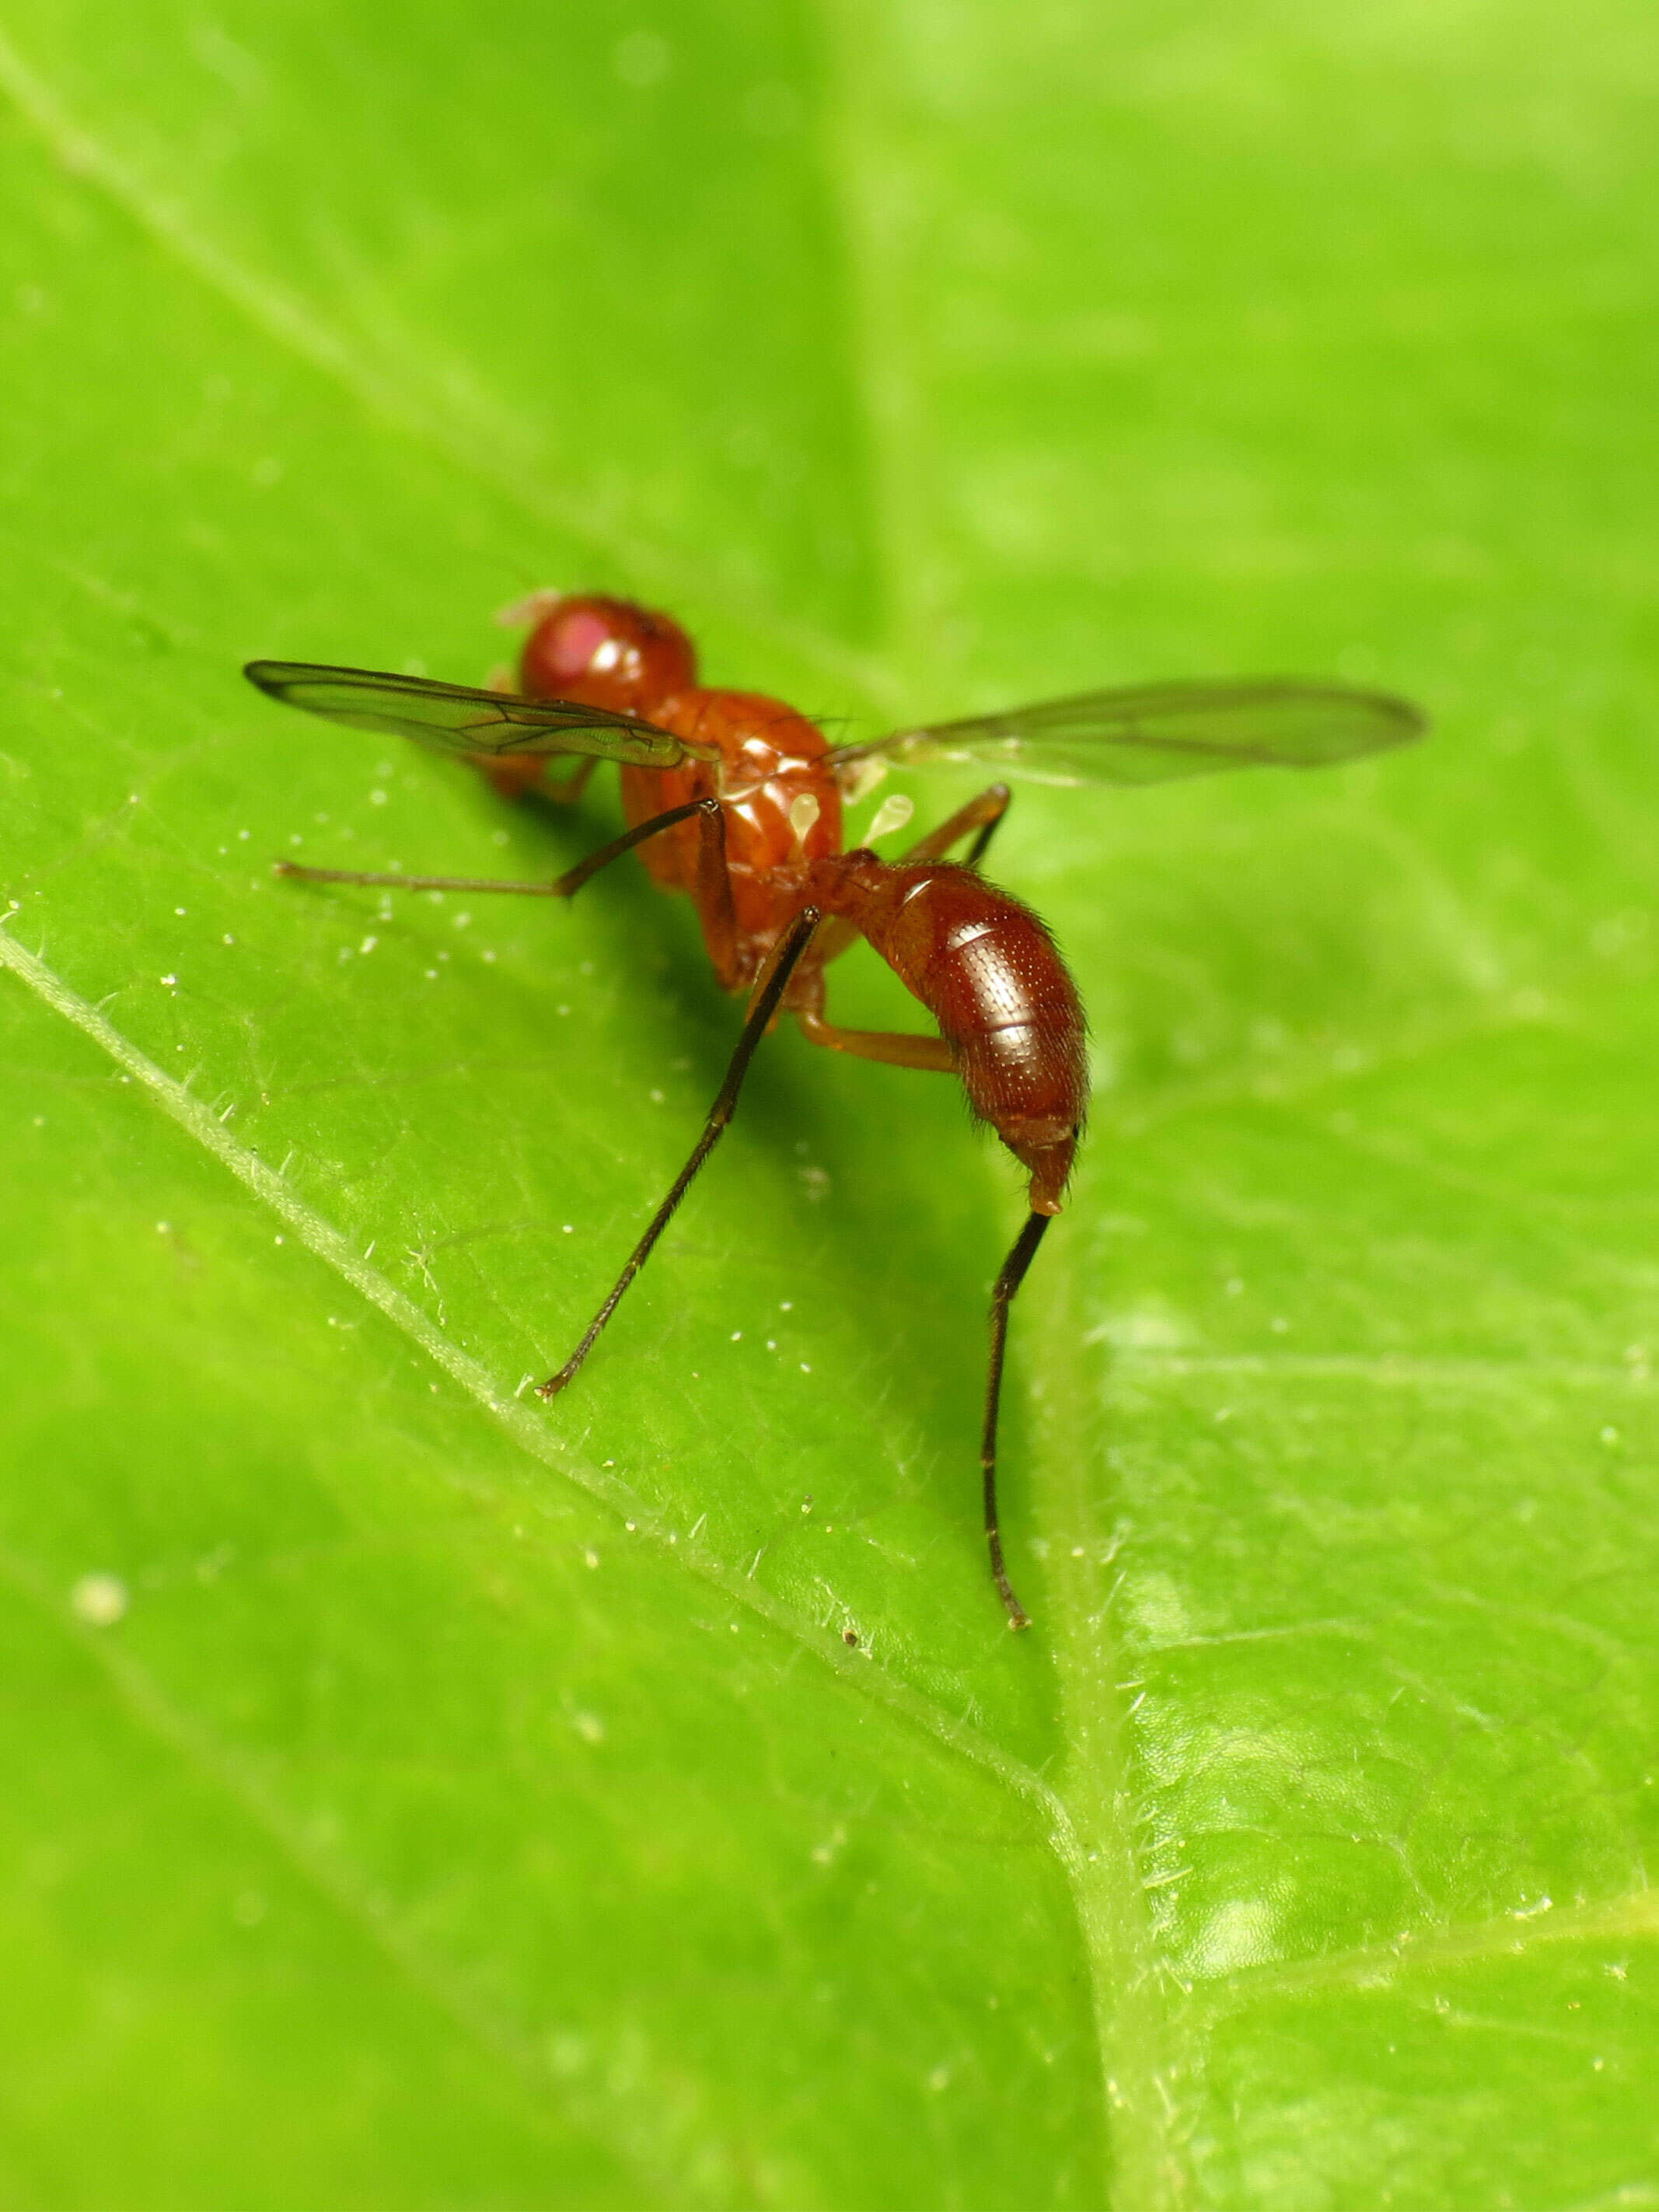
{"x":417,"y":1795}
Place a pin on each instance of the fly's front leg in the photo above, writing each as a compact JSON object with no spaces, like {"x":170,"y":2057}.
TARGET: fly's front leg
{"x":564,"y":886}
{"x":568,"y":792}
{"x":517,"y":775}
{"x":520,"y":775}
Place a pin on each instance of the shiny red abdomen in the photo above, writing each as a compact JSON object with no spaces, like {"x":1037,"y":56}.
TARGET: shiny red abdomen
{"x":988,"y":972}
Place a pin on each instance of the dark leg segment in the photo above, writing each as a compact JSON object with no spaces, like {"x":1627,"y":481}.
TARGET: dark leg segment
{"x":714,"y":907}
{"x":769,"y":988}
{"x":564,"y":886}
{"x":573,"y":878}
{"x":1013,"y":1275}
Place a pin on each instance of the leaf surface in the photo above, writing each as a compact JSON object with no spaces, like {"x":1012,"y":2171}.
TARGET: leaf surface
{"x":421,"y":1796}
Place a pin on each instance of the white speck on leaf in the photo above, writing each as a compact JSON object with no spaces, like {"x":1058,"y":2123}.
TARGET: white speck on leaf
{"x":642,"y":59}
{"x":99,"y":1599}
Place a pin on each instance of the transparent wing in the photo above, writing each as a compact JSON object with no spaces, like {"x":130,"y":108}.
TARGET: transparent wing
{"x":479,"y":725}
{"x":1158,"y":731}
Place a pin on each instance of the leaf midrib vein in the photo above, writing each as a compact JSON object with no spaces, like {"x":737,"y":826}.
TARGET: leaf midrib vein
{"x":1090,"y":1840}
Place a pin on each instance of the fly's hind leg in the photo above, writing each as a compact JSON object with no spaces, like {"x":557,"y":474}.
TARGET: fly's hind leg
{"x":981,"y":814}
{"x":902,"y":1050}
{"x":896,"y":1047}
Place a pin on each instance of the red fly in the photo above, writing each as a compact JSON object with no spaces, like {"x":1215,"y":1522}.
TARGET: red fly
{"x":736,"y":799}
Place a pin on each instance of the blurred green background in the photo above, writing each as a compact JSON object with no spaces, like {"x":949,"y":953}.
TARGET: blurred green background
{"x":414,"y":1796}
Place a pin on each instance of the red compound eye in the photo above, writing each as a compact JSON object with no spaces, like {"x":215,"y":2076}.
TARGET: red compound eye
{"x":572,"y":641}
{"x":607,"y":653}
